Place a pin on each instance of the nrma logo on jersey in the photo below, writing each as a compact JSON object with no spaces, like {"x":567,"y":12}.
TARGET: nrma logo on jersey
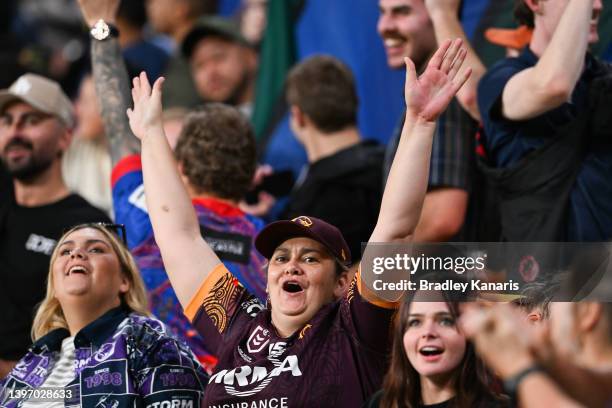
{"x":246,"y":380}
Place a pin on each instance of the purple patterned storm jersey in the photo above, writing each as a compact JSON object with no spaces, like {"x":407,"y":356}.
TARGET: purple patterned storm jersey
{"x":227,"y":230}
{"x":122,"y":360}
{"x":337,"y":359}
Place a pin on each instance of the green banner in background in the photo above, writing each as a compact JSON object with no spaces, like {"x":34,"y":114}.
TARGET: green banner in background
{"x":278,"y":54}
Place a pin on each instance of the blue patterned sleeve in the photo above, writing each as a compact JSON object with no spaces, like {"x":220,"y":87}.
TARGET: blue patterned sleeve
{"x":167,"y":373}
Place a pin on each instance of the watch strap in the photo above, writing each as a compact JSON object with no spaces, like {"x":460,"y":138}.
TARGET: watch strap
{"x":511,"y":384}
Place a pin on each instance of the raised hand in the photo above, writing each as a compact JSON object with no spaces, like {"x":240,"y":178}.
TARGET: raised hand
{"x":428,"y":95}
{"x":502,"y":336}
{"x":147,"y":112}
{"x":94,"y":10}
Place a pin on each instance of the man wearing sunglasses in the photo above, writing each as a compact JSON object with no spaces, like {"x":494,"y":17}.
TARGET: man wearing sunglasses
{"x":36,"y":122}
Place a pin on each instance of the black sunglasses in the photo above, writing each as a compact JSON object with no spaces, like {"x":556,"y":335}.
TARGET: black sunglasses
{"x":117,"y":229}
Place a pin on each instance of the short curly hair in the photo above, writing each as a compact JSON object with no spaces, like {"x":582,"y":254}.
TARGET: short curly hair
{"x":217,"y":151}
{"x":523,"y":14}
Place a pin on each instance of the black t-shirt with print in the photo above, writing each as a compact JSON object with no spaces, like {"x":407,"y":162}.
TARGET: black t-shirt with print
{"x":27,"y":238}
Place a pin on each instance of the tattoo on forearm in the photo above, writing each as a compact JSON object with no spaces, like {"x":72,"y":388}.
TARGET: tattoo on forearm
{"x":113,"y":92}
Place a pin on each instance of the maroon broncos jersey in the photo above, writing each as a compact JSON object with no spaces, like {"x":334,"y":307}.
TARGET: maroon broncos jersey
{"x":338,"y":359}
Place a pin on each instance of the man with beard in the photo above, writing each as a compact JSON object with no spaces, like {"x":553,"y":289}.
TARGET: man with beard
{"x":413,"y":28}
{"x":35,"y":206}
{"x":223,"y":63}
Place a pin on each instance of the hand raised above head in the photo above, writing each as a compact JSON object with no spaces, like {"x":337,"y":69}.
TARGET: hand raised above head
{"x":428,"y":95}
{"x":147,"y":112}
{"x":94,"y":10}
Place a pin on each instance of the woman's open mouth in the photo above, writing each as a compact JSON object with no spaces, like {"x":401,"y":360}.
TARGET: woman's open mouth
{"x":77,"y":269}
{"x":292,"y":287}
{"x":431,"y":353}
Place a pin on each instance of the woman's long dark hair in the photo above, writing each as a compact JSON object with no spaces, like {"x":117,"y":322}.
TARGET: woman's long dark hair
{"x":402,"y":385}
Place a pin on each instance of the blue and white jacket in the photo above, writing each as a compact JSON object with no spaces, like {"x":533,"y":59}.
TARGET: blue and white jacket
{"x":122,"y":360}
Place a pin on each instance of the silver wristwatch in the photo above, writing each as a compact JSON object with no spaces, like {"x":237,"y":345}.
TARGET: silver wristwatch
{"x":102,"y":30}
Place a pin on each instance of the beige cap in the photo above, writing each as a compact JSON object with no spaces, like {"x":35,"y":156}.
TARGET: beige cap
{"x":43,"y":94}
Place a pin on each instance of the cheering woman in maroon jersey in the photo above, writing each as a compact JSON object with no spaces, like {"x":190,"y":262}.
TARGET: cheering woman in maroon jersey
{"x":315,"y":343}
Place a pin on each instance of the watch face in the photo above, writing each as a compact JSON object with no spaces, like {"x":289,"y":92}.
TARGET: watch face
{"x":100,"y":30}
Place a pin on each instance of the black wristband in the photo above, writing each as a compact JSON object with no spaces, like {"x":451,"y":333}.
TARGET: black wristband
{"x":511,"y":384}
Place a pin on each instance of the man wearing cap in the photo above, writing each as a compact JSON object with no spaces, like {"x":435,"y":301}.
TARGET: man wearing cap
{"x":223,"y":63}
{"x":413,"y":28}
{"x":36,"y":119}
{"x":547,"y":128}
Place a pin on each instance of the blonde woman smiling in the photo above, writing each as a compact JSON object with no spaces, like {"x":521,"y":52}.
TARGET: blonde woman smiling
{"x":94,"y":344}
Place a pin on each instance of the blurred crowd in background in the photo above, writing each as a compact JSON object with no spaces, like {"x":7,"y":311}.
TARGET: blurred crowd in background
{"x":321,"y":83}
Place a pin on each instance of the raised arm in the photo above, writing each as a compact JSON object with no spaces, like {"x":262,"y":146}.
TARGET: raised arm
{"x":505,"y":341}
{"x":444,"y":15}
{"x":426,"y":98}
{"x":111,"y":80}
{"x":551,"y":81}
{"x":187,"y":257}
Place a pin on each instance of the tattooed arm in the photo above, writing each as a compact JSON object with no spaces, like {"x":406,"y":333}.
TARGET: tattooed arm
{"x":112,"y":89}
{"x":111,"y":80}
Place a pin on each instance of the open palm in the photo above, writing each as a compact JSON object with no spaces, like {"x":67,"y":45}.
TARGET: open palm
{"x":428,"y":95}
{"x":147,"y":112}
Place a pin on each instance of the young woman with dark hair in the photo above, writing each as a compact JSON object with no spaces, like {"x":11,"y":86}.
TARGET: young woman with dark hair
{"x":432,"y":363}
